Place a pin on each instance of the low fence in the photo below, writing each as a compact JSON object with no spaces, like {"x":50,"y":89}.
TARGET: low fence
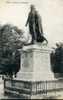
{"x":28,"y":88}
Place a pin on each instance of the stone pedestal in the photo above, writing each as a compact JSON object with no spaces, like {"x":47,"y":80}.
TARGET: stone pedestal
{"x":35,"y":79}
{"x":35,"y":63}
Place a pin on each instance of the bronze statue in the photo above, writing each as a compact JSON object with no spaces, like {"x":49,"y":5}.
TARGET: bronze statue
{"x":35,"y":26}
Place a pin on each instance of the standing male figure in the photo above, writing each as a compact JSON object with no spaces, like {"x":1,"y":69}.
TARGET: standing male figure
{"x":35,"y":26}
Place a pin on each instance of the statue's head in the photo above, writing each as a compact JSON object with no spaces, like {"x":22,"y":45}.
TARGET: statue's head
{"x":32,"y":8}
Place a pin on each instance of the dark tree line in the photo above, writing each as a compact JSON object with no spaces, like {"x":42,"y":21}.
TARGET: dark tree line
{"x":57,"y":59}
{"x":10,"y":43}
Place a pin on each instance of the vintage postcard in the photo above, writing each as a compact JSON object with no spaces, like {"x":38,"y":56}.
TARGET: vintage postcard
{"x":31,"y":49}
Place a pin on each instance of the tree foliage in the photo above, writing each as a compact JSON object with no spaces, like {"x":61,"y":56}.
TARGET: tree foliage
{"x":57,"y":59}
{"x":10,"y":42}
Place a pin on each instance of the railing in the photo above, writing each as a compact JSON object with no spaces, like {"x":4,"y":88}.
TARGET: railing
{"x":47,"y":87}
{"x":19,"y":87}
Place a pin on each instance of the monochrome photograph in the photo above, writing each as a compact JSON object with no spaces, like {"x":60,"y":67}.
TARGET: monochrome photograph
{"x":31,"y":49}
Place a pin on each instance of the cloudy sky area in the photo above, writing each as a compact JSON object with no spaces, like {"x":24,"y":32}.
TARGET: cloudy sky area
{"x":51,"y":11}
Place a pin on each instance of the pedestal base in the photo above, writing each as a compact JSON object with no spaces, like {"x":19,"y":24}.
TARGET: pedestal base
{"x":35,"y":64}
{"x":35,"y":79}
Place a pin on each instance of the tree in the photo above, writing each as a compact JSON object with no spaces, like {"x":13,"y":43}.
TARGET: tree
{"x":57,"y":59}
{"x":10,"y":42}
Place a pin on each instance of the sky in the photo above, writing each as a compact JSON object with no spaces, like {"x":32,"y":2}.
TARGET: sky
{"x":51,"y":11}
